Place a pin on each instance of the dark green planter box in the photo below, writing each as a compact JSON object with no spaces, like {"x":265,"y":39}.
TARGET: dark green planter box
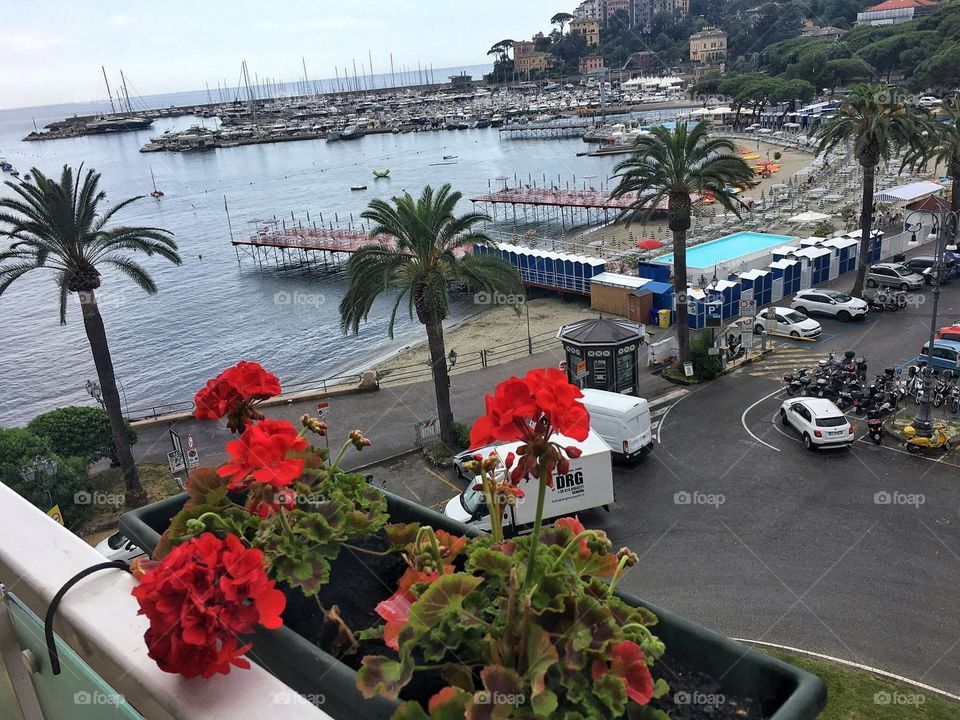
{"x":785,"y":692}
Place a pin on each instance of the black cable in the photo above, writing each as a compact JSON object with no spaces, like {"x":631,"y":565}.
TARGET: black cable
{"x":55,"y":603}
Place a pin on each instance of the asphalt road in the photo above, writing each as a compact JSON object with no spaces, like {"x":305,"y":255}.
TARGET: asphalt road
{"x":743,"y":530}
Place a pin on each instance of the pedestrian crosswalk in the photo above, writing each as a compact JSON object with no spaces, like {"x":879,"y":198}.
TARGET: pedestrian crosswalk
{"x":789,"y":355}
{"x":656,"y":417}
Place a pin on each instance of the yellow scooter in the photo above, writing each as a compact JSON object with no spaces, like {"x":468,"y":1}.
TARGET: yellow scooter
{"x":915,"y":443}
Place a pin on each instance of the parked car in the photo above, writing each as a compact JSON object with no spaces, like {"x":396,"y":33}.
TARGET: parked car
{"x":894,"y":275}
{"x":829,"y":302}
{"x":946,"y":355}
{"x":950,"y":332}
{"x":929,"y":101}
{"x":119,"y":547}
{"x":820,"y":423}
{"x":793,"y":323}
{"x":461,"y":458}
{"x":921,"y":263}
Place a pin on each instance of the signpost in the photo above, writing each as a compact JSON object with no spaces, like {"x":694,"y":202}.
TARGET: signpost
{"x":770,"y":322}
{"x":190,"y":443}
{"x":581,"y":370}
{"x":55,"y":513}
{"x":714,"y":318}
{"x":748,"y":308}
{"x":175,"y":461}
{"x":688,"y":368}
{"x":322,"y":408}
{"x":193,"y":458}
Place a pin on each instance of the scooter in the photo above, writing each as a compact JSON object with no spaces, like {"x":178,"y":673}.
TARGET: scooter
{"x":915,"y":443}
{"x":875,"y":426}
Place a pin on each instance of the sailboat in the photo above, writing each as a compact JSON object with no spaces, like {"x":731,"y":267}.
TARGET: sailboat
{"x":156,"y":193}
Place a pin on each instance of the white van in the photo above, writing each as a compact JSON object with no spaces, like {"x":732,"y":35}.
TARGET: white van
{"x":623,"y":421}
{"x":586,"y":485}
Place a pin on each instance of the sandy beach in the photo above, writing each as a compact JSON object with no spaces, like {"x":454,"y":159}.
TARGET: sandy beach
{"x":619,"y":236}
{"x":499,"y":331}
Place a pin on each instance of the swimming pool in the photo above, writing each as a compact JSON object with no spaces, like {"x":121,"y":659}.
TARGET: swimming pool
{"x":729,"y":248}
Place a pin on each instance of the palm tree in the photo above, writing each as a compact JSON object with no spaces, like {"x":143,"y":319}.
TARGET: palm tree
{"x":677,"y":165}
{"x":425,"y":255}
{"x":878,"y":125}
{"x":942,"y":145}
{"x":561,"y":19}
{"x":61,"y":226}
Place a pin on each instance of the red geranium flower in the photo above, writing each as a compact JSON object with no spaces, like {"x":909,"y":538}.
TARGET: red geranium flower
{"x":233,"y":392}
{"x":396,"y":609}
{"x":628,"y":665}
{"x":261,"y":452}
{"x":199,"y":598}
{"x":574,"y":527}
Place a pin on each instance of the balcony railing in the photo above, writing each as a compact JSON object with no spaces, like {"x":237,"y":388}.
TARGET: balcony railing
{"x":105,"y":669}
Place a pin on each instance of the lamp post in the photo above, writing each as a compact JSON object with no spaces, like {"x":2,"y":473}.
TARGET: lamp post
{"x":947,"y":222}
{"x":42,"y":468}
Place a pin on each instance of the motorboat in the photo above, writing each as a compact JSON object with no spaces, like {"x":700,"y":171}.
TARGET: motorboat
{"x":358,"y":187}
{"x":381,"y":173}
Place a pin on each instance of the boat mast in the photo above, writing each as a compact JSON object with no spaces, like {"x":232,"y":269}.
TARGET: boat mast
{"x":306,"y":79}
{"x":356,"y":80}
{"x":153,"y":179}
{"x":370,"y":66}
{"x":126,"y":93}
{"x":393,"y":78}
{"x":113,"y":108}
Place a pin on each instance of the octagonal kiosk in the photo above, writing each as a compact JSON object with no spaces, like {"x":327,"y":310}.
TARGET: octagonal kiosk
{"x":603,"y":353}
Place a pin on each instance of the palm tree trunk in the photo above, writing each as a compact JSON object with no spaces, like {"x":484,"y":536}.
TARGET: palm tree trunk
{"x":97,"y":337}
{"x":955,"y":192}
{"x":680,"y":293}
{"x":441,"y":379}
{"x":866,"y":221}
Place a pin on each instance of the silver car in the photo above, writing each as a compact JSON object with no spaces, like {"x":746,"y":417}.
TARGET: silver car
{"x":894,"y":275}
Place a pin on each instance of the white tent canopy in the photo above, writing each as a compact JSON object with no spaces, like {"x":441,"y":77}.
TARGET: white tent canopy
{"x":909,"y":192}
{"x":808,"y":217}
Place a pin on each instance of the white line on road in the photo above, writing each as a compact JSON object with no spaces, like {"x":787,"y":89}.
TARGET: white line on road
{"x":663,"y":418}
{"x":743,"y":419}
{"x":675,"y":395}
{"x":850,"y":663}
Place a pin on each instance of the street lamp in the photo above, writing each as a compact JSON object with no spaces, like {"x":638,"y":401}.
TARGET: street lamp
{"x":923,"y":423}
{"x":41,"y":468}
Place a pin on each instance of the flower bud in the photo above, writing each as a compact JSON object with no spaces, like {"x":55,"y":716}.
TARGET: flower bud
{"x":573,"y":451}
{"x":563,"y":466}
{"x":314,"y":425}
{"x":629,"y":555}
{"x":357,"y":439}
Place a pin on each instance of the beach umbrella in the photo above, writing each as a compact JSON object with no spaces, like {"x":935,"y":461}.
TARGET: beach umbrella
{"x":649,"y":244}
{"x":805,"y":218}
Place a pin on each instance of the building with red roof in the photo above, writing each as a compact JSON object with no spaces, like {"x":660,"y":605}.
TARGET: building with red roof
{"x":894,"y":12}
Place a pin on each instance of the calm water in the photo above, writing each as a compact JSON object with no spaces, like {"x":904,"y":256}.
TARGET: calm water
{"x":212,"y":312}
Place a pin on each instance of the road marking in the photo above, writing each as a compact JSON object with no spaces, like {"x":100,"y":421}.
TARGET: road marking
{"x":743,"y":419}
{"x":663,"y":418}
{"x":442,"y":479}
{"x":921,"y":455}
{"x":850,"y":663}
{"x":780,"y":430}
{"x":676,"y":394}
{"x":658,"y":412}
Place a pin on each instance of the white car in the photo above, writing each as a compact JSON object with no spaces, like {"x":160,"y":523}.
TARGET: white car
{"x":929,"y":101}
{"x":829,"y":302}
{"x":119,"y":547}
{"x":792,"y":323}
{"x":820,"y":423}
{"x":461,"y":458}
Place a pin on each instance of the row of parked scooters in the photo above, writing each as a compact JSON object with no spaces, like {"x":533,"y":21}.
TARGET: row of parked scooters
{"x":885,"y":299}
{"x":844,"y":381}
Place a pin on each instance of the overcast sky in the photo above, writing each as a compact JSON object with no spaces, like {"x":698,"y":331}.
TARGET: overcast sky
{"x":51,"y":51}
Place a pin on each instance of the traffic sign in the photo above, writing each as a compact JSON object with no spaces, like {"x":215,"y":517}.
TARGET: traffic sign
{"x":190,"y":443}
{"x":748,"y":307}
{"x":55,"y":513}
{"x":581,"y":370}
{"x":770,"y":323}
{"x":322,"y":408}
{"x":714,"y":316}
{"x":193,"y":458}
{"x":175,"y":460}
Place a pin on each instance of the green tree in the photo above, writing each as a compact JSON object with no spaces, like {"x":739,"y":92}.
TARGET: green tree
{"x":57,"y":482}
{"x":676,"y":165}
{"x":561,"y":19}
{"x":941,"y":144}
{"x":842,"y":71}
{"x":426,"y":256}
{"x":82,"y":432}
{"x":64,"y":227}
{"x":877,"y":124}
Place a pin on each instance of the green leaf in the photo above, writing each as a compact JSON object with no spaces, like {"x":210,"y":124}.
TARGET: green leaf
{"x":381,"y":675}
{"x":612,"y":692}
{"x":444,"y":597}
{"x":541,"y":656}
{"x":449,"y":704}
{"x":545,"y":704}
{"x":410,"y":710}
{"x":459,"y":676}
{"x":490,"y":562}
{"x":501,"y":681}
{"x":401,"y":534}
{"x":660,"y":688}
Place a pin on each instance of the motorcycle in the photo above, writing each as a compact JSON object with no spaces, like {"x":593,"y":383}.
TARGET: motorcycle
{"x":890,"y":301}
{"x":941,"y":389}
{"x":875,"y":426}
{"x":734,"y":347}
{"x":916,"y":443}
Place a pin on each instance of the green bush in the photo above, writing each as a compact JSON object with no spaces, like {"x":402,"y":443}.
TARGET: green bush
{"x":81,"y":432}
{"x":461,"y":434}
{"x":69,"y":486}
{"x":705,"y":365}
{"x":437,"y":453}
{"x":777,"y":155}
